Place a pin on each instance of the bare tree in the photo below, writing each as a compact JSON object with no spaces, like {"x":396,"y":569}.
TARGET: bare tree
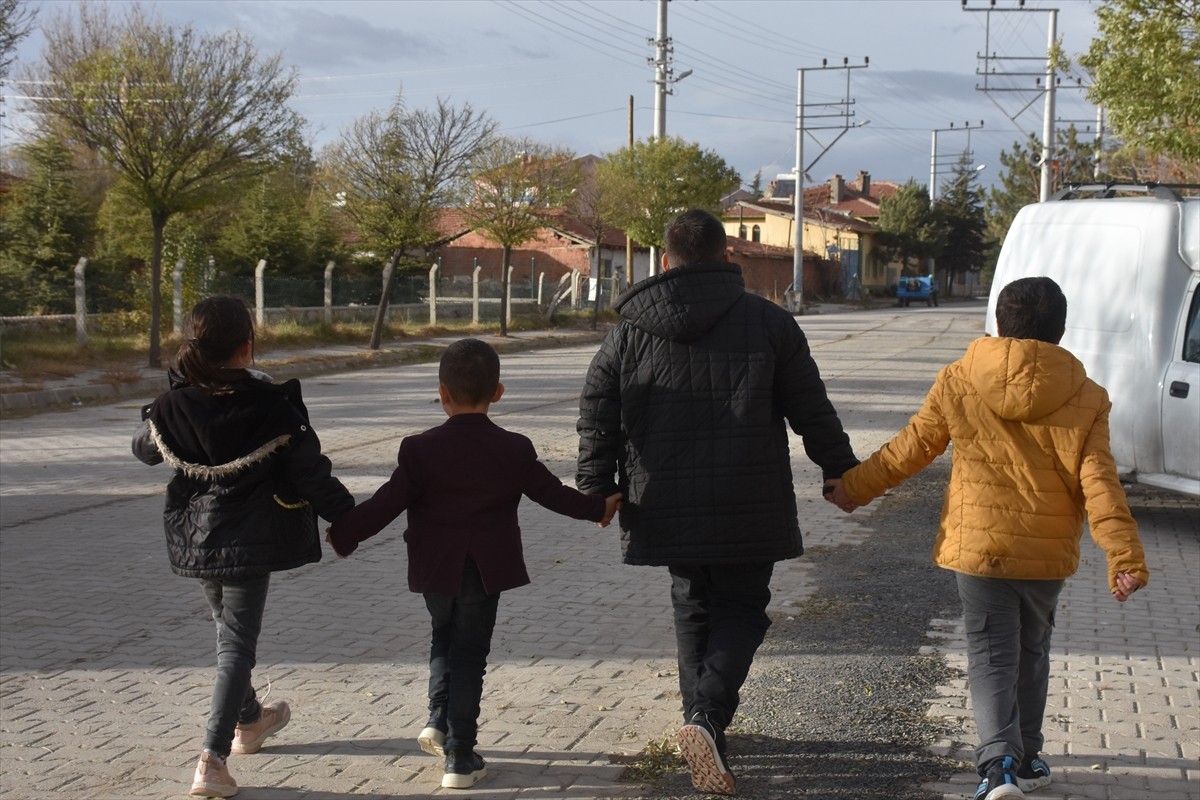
{"x":393,"y":171}
{"x":517,"y":183}
{"x":16,"y":21}
{"x":176,"y":112}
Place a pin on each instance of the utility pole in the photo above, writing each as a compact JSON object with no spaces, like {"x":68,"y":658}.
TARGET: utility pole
{"x":664,"y":77}
{"x":838,"y":110}
{"x":937,"y":162}
{"x":990,"y":74}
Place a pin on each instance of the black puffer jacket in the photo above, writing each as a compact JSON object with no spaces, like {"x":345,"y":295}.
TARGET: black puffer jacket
{"x":241,"y":460}
{"x":684,"y":411}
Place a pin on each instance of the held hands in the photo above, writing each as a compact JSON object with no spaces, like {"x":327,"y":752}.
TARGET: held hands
{"x":1126,"y":585}
{"x":834,"y":493}
{"x":612,"y":504}
{"x":329,"y":538}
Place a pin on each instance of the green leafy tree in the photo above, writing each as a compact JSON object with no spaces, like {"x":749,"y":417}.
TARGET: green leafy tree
{"x":909,"y":231}
{"x":518,"y":183}
{"x":179,"y":114}
{"x":655,"y":180}
{"x":756,"y":185}
{"x":45,"y":227}
{"x":392,"y":172}
{"x":1145,"y":68}
{"x":1074,"y":162}
{"x":960,"y":212}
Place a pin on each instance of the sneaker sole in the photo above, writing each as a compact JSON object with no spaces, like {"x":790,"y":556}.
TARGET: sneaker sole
{"x":453,"y":780}
{"x":708,"y":774}
{"x":1007,"y":790}
{"x":212,"y":790}
{"x":249,"y":748}
{"x":432,"y":741}
{"x":1032,"y":784}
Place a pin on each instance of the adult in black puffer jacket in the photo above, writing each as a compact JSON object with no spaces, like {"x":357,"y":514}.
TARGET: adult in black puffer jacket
{"x":685,"y":411}
{"x":249,"y":479}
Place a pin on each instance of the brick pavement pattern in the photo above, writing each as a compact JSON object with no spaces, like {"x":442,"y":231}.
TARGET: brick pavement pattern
{"x":106,"y":657}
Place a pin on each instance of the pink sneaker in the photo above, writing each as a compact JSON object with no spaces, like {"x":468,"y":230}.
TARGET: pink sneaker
{"x":249,"y":738}
{"x":212,"y":778}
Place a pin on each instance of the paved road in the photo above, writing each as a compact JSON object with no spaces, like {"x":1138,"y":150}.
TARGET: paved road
{"x":106,"y":656}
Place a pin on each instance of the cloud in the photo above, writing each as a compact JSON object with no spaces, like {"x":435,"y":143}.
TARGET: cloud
{"x":532,"y":54}
{"x":923,"y":84}
{"x":315,"y":38}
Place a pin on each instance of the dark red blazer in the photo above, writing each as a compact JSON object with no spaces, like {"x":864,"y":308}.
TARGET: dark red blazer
{"x":461,"y":483}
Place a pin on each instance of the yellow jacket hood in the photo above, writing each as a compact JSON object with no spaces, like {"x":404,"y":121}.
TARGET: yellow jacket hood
{"x":1022,"y":380}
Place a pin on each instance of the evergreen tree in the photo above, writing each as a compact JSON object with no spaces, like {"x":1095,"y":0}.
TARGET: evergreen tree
{"x":909,"y":231}
{"x":45,"y":228}
{"x":960,"y":210}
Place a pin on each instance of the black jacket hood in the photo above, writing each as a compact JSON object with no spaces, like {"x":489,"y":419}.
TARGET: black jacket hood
{"x":683,"y":303}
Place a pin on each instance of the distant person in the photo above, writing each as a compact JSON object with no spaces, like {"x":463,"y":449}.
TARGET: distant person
{"x":247,"y":467}
{"x":1031,"y":462}
{"x":686,"y":411}
{"x":461,"y":483}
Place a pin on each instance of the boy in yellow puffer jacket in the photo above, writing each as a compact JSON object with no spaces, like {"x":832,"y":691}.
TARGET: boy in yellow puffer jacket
{"x":1031,"y":460}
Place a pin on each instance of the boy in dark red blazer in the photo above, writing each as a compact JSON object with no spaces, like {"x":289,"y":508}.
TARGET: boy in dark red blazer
{"x":461,"y":483}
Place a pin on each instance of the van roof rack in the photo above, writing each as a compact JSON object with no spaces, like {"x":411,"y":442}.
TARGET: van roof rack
{"x":1162,"y":191}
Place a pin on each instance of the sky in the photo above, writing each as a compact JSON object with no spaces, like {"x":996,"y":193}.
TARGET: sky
{"x":562,"y":72}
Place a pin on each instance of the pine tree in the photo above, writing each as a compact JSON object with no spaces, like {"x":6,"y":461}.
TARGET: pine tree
{"x":960,"y":210}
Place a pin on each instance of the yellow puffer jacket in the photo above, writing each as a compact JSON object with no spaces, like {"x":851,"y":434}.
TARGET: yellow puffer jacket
{"x":1031,"y":456}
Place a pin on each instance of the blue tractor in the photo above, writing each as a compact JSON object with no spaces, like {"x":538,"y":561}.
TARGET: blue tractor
{"x":921,"y":287}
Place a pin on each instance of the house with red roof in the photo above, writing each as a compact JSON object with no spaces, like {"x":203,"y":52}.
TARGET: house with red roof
{"x":840,"y":225}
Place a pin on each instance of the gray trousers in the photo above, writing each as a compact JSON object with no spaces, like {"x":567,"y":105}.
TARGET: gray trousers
{"x":1008,"y":625}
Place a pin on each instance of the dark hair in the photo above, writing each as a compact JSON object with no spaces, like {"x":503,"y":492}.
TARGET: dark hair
{"x":470,"y":371}
{"x":1032,"y":308}
{"x":216,"y":328}
{"x":694,"y":237}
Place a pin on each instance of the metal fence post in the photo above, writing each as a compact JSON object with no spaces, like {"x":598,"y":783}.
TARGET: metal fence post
{"x":80,"y":303}
{"x":541,"y":284}
{"x":259,"y":315}
{"x":508,"y":310}
{"x":433,"y":295}
{"x":475,"y":293}
{"x":329,"y":293}
{"x":177,"y":297}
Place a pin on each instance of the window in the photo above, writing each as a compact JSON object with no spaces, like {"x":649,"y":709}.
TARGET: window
{"x":741,"y":231}
{"x":756,"y":234}
{"x":1191,"y":339}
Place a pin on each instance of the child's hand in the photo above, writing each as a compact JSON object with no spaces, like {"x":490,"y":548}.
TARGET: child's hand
{"x":1126,"y":585}
{"x":835,"y":494}
{"x":612,"y":504}
{"x":329,"y":538}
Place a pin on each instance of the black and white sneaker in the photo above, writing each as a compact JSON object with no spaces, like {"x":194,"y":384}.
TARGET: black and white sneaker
{"x":464,"y":769}
{"x":433,"y":737}
{"x":698,"y":742}
{"x":999,"y":781}
{"x":1033,"y":774}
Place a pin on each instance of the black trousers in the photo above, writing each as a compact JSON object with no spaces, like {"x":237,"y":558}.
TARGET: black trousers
{"x":720,"y":620}
{"x":462,"y":638}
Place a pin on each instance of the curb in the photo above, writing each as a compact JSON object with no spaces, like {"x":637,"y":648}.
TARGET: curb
{"x":301,"y":366}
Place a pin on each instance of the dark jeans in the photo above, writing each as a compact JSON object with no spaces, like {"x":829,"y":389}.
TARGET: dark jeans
{"x":458,"y":651}
{"x":1008,"y":625}
{"x":720,"y":620}
{"x":237,"y":609}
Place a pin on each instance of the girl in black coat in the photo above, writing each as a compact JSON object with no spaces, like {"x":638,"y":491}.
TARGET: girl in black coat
{"x":249,"y":481}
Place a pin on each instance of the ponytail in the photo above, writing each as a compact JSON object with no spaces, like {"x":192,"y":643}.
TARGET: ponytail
{"x":216,"y":329}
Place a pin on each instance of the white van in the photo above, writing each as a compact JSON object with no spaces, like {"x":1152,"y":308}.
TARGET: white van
{"x":1129,"y":267}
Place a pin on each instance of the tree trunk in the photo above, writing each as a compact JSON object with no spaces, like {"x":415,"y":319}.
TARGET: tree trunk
{"x":159,"y":222}
{"x":504,"y":290}
{"x":389,"y":279}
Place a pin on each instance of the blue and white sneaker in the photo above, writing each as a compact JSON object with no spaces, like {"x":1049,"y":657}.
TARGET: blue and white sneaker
{"x":1033,"y":774}
{"x":999,"y":781}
